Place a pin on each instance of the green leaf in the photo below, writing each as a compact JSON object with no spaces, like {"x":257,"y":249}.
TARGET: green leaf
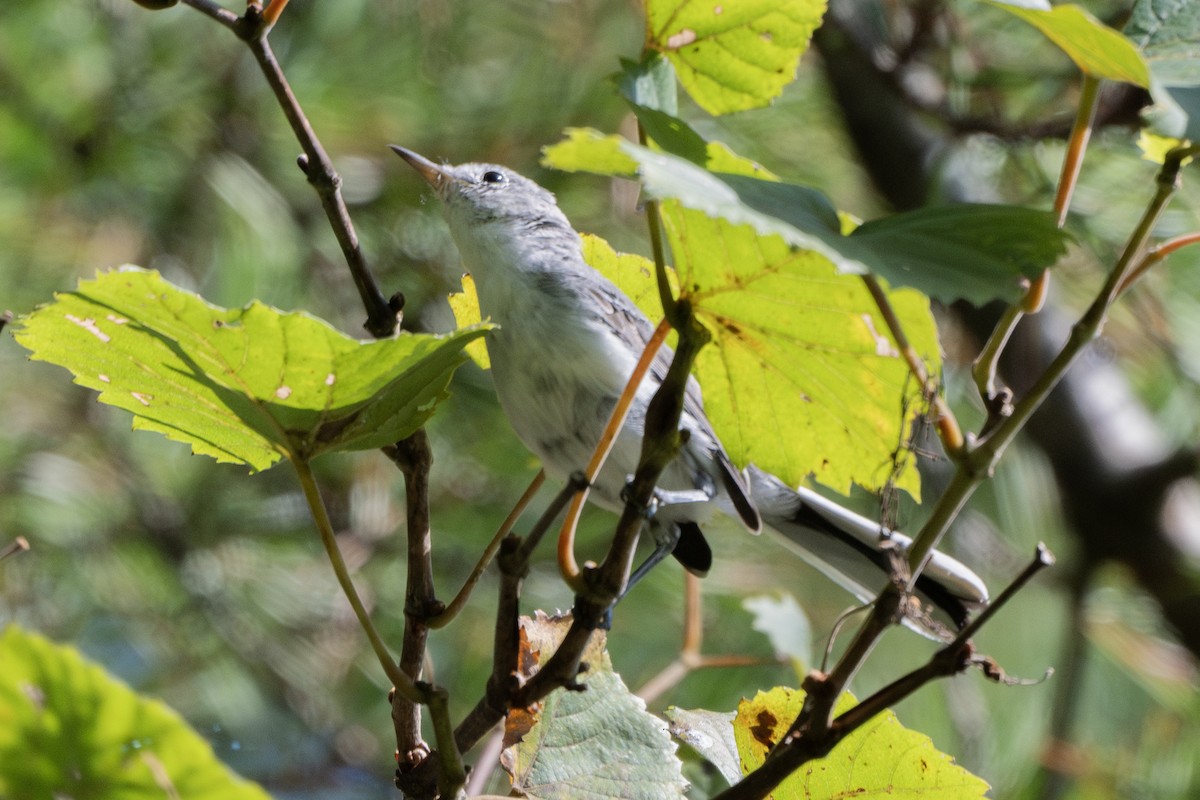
{"x":1168,"y":34}
{"x":649,"y":83}
{"x":1096,"y":49}
{"x":596,"y":743}
{"x":803,"y":378}
{"x":67,"y":729}
{"x":974,"y":252}
{"x":249,"y":385}
{"x":732,"y":56}
{"x":970,"y":251}
{"x":880,"y":759}
{"x":649,"y":87}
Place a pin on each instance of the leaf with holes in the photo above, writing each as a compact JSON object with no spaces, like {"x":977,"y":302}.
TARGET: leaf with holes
{"x":249,"y":385}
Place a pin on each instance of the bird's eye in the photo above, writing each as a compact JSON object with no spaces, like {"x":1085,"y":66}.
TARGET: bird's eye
{"x":491,"y":176}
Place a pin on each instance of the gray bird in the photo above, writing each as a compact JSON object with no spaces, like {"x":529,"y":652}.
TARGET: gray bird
{"x":567,"y":342}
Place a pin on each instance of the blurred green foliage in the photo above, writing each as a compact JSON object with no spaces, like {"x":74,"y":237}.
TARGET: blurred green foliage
{"x":149,"y":137}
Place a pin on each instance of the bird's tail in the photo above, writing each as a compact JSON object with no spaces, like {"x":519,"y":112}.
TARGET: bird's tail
{"x":854,"y":551}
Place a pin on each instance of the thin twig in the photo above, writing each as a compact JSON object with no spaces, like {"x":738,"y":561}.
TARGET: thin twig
{"x":987,"y":362}
{"x":460,"y":600}
{"x":453,"y":773}
{"x":404,"y":685}
{"x":252,"y":28}
{"x":272,"y":11}
{"x":15,"y":547}
{"x":218,"y":12}
{"x":948,"y":428}
{"x":1157,"y":254}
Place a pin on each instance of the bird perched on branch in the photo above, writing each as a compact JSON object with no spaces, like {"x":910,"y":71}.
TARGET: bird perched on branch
{"x":566,"y":344}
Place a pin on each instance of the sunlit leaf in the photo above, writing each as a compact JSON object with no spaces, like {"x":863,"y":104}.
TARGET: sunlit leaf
{"x":966,"y":251}
{"x":803,"y":377}
{"x":465,"y":307}
{"x":648,"y":86}
{"x":67,"y":729}
{"x":880,"y":759}
{"x":249,"y":385}
{"x":597,"y":743}
{"x":1096,"y":49}
{"x":588,"y":150}
{"x":731,"y":56}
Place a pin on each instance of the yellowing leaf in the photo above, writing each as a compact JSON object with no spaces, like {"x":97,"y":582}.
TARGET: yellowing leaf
{"x":732,"y":55}
{"x":803,"y":377}
{"x":465,"y":307}
{"x":880,"y":759}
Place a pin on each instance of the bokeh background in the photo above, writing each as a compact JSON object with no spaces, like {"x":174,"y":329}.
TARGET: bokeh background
{"x":129,"y":136}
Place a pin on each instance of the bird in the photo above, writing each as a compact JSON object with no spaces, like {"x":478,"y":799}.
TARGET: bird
{"x":566,"y":342}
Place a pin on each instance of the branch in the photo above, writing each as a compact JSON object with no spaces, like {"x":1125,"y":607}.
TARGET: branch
{"x":813,"y":735}
{"x":414,"y":459}
{"x":252,"y":28}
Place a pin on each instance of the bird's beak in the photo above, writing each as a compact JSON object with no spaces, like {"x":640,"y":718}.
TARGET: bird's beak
{"x":431,"y":172}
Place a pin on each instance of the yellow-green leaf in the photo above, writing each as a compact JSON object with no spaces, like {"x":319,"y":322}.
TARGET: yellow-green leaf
{"x":465,"y":307}
{"x":732,"y":55}
{"x":587,"y":149}
{"x":1095,"y":48}
{"x":803,"y":377}
{"x":249,"y":385}
{"x":880,"y":759}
